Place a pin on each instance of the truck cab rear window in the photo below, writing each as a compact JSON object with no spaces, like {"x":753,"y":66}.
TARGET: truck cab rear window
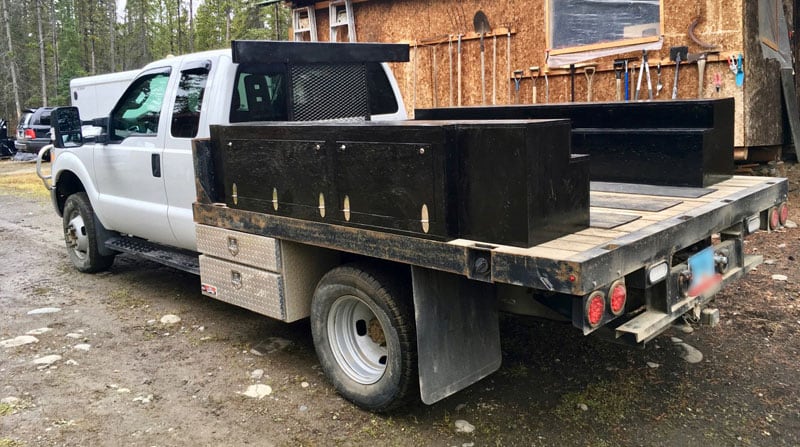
{"x":260,"y":93}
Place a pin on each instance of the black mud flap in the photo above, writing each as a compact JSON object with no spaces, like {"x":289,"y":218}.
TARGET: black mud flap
{"x":458,"y":332}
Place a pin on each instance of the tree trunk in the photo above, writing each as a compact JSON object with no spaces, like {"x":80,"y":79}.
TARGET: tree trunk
{"x":191,"y":27}
{"x":14,"y":85}
{"x":42,"y":66}
{"x":92,"y":37}
{"x":180,"y":33}
{"x":112,"y":33}
{"x":56,"y":72}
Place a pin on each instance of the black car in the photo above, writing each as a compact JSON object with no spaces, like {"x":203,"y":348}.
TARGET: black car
{"x":6,"y":144}
{"x":33,"y":131}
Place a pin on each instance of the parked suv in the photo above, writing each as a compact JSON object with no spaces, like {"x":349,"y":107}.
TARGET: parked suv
{"x":33,"y":131}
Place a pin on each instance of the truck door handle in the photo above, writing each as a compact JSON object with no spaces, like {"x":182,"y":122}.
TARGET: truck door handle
{"x":155,"y":164}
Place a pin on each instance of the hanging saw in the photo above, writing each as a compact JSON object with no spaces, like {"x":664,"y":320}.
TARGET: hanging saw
{"x":694,"y":37}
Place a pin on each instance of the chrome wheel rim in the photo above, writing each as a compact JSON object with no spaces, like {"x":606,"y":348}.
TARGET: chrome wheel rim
{"x":357,"y":340}
{"x":76,"y":236}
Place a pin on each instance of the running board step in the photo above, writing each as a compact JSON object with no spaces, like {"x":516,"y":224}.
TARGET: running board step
{"x":185,"y":260}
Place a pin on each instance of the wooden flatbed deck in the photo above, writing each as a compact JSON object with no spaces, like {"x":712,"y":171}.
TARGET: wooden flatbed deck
{"x":654,"y":222}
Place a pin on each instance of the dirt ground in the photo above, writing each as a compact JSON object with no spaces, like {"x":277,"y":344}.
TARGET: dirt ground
{"x":125,"y":378}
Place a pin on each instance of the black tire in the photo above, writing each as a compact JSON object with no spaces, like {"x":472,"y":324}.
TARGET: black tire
{"x":80,"y":235}
{"x":347,"y":345}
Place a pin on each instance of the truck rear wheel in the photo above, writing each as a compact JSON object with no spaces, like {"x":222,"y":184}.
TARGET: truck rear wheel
{"x":80,"y":234}
{"x":362,"y":321}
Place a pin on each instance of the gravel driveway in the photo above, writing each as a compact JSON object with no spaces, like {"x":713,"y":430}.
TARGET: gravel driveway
{"x":138,"y":357}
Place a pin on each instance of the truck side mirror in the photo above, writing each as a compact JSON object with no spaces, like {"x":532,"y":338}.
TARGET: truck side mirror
{"x":66,"y":131}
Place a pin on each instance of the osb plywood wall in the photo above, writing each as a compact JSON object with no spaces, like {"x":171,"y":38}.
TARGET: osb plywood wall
{"x":431,"y":78}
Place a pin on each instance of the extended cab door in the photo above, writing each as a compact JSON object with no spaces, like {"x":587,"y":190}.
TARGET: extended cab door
{"x":186,"y":121}
{"x":128,"y":168}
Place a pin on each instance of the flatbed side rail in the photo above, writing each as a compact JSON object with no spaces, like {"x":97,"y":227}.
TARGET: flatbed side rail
{"x":393,"y":247}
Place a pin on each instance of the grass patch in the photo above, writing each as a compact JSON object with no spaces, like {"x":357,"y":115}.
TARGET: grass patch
{"x":24,"y":184}
{"x":608,"y":402}
{"x":124,"y":299}
{"x":5,"y":442}
{"x":6,"y":409}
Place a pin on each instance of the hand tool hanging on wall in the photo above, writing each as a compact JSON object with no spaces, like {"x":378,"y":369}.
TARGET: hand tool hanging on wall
{"x":546,"y":88}
{"x":494,"y":69}
{"x":627,"y":90}
{"x":508,"y":58}
{"x":517,"y":79}
{"x":450,"y":61}
{"x":571,"y":82}
{"x":740,"y":70}
{"x":481,"y":24}
{"x":414,"y":75}
{"x":588,"y":71}
{"x":644,"y":69}
{"x":659,"y":85}
{"x":701,"y":74}
{"x":632,"y":86}
{"x":459,"y":70}
{"x":433,"y":74}
{"x":694,"y":37}
{"x":534,"y":77}
{"x":677,"y":54}
{"x":732,"y":64}
{"x":618,"y":67}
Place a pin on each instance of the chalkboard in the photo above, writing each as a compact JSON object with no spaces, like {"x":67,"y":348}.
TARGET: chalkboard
{"x":579,"y":23}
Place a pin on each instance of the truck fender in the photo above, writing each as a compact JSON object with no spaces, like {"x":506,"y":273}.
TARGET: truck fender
{"x":66,"y":165}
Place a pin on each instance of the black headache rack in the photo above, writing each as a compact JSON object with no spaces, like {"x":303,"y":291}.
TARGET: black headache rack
{"x":324,"y":81}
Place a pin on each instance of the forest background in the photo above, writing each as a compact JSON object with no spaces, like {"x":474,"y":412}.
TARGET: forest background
{"x":45,"y":43}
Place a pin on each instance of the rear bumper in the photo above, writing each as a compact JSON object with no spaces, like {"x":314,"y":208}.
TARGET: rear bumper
{"x":667,"y":301}
{"x":30,"y":145}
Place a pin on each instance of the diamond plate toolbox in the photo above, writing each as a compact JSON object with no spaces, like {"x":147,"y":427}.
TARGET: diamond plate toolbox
{"x":251,"y":288}
{"x":257,"y":251}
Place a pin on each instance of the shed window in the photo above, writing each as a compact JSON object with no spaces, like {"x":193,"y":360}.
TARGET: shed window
{"x":585,"y":25}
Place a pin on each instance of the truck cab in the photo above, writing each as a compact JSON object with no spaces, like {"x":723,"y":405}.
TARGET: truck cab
{"x":138,"y":174}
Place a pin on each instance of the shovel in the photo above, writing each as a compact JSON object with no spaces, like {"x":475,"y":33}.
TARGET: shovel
{"x":677,"y":54}
{"x":481,"y":24}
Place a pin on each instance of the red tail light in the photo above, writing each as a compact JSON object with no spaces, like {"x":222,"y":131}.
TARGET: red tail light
{"x":774,"y":218}
{"x":783,"y":213}
{"x":595,"y":307}
{"x":30,"y":133}
{"x":618,"y":295}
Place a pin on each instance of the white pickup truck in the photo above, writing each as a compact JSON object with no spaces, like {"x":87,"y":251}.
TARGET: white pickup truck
{"x":137,"y":177}
{"x":402,"y":240}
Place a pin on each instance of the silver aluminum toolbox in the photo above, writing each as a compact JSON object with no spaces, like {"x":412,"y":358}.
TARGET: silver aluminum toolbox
{"x":257,"y":251}
{"x":254,"y":289}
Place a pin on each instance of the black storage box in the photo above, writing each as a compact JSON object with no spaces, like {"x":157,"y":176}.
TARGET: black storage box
{"x":510,"y":182}
{"x":672,"y":143}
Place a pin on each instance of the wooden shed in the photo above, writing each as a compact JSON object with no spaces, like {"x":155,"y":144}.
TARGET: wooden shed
{"x":744,"y":45}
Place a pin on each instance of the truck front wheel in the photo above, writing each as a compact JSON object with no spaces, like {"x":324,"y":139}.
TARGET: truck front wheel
{"x":80,"y":234}
{"x":362,"y":321}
